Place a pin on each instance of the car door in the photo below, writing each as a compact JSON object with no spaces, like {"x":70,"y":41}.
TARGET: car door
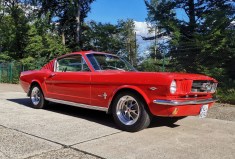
{"x":70,"y":80}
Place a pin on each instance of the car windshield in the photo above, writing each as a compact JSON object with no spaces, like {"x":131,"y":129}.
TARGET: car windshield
{"x":109,"y":62}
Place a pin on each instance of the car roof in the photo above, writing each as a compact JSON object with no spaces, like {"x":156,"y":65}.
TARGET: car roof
{"x":84,"y":53}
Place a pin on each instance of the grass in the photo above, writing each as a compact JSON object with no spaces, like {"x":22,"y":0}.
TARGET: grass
{"x":226,"y":95}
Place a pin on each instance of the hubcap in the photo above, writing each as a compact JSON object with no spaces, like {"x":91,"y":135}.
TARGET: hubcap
{"x":35,"y":96}
{"x":128,"y":110}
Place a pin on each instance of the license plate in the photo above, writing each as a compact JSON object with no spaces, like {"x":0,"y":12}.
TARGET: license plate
{"x":203,"y":112}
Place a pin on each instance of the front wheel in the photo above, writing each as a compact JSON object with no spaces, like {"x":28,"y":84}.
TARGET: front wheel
{"x":37,"y":97}
{"x":129,"y":112}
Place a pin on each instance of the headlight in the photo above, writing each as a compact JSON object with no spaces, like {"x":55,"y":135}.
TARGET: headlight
{"x":213,"y":87}
{"x":208,"y":87}
{"x":173,"y":87}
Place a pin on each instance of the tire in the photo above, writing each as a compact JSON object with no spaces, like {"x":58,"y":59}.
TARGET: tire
{"x":129,"y":112}
{"x":37,"y":98}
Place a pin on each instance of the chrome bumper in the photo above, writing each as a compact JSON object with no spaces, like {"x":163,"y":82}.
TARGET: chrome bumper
{"x":185,"y":102}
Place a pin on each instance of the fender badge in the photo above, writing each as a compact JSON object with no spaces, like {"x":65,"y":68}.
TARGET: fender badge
{"x":104,"y":95}
{"x":152,"y":88}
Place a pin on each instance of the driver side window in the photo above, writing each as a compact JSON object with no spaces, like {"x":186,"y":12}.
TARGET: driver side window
{"x":73,"y":63}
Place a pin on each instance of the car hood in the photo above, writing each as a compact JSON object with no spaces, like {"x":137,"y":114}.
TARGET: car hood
{"x":152,"y":77}
{"x":189,"y":76}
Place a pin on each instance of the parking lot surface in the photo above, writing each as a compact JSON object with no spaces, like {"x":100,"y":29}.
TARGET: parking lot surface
{"x":67,"y":132}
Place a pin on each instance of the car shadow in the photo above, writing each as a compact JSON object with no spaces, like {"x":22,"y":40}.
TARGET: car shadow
{"x":99,"y":117}
{"x":170,"y":122}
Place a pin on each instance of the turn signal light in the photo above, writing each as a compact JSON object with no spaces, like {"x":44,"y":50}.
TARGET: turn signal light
{"x":175,"y":111}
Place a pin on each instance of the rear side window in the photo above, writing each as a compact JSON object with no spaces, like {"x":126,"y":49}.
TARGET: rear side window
{"x":93,"y":61}
{"x":73,"y":63}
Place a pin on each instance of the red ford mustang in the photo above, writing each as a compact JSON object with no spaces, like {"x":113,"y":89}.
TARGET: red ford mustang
{"x":108,"y":83}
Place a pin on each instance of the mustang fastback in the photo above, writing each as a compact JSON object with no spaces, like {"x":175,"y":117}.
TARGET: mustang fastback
{"x":106,"y":82}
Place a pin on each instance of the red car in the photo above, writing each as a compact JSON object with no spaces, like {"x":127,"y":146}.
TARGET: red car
{"x":108,"y":83}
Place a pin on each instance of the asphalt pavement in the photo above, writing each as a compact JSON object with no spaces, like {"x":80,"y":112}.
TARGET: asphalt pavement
{"x":67,"y":132}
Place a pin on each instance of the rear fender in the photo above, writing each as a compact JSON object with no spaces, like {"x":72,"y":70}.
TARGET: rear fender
{"x":32,"y":83}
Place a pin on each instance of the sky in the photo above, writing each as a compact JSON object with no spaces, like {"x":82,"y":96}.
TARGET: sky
{"x":111,"y":10}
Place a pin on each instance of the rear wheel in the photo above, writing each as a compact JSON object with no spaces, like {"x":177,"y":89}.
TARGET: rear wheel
{"x":129,"y":112}
{"x":37,"y":97}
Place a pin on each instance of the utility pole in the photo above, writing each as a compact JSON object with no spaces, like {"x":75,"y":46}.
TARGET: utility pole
{"x":78,"y":21}
{"x":129,"y":48}
{"x":163,"y":63}
{"x":135,"y":56}
{"x":155,"y":45}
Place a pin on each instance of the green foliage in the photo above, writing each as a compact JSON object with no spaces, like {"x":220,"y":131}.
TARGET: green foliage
{"x":202,"y":38}
{"x":29,"y":62}
{"x":13,"y":32}
{"x":33,"y":35}
{"x":127,"y":35}
{"x":4,"y":57}
{"x":33,"y":42}
{"x":150,"y":65}
{"x":42,"y":48}
{"x":226,"y":92}
{"x":118,"y":39}
{"x":102,"y":37}
{"x":70,"y":15}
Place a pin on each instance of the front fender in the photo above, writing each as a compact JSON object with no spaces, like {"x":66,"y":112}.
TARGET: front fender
{"x":135,"y":88}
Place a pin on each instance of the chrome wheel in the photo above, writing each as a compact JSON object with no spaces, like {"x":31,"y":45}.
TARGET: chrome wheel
{"x":36,"y":95}
{"x":128,"y":110}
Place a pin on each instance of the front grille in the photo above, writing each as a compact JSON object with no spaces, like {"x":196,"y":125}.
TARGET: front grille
{"x":202,"y":86}
{"x":185,"y":85}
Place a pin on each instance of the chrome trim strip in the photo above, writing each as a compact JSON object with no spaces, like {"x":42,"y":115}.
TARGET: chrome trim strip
{"x":55,"y":65}
{"x":187,"y":102}
{"x":77,"y":104}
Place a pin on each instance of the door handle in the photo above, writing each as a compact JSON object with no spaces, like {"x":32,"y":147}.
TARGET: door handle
{"x":52,"y":75}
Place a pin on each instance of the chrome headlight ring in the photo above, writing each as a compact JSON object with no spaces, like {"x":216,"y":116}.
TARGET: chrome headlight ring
{"x":173,"y":87}
{"x":213,"y":87}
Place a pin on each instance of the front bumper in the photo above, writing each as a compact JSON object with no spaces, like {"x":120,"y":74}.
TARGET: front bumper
{"x":185,"y":102}
{"x":177,"y":108}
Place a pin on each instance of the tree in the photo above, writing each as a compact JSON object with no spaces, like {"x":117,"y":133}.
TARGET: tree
{"x":118,"y":39}
{"x":69,"y":15}
{"x":150,"y":65}
{"x":128,"y":36}
{"x":201,"y":41}
{"x":13,"y":29}
{"x":102,"y":37}
{"x":25,"y":38}
{"x":42,"y":46}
